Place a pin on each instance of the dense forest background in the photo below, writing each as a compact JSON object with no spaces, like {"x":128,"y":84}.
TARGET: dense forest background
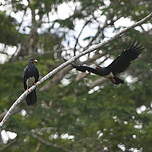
{"x":76,"y":112}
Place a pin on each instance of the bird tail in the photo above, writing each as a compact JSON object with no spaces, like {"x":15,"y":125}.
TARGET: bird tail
{"x":31,"y":98}
{"x":133,"y":51}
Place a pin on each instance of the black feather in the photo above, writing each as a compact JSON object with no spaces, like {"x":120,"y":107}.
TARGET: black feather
{"x":31,"y":72}
{"x":120,"y":64}
{"x":118,"y":80}
{"x":83,"y":68}
{"x":31,"y":98}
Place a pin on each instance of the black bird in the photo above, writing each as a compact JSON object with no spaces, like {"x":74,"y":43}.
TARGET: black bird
{"x":120,"y":64}
{"x":31,"y":76}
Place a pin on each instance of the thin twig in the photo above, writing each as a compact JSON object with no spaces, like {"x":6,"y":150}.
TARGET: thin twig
{"x":77,"y":39}
{"x":8,"y":145}
{"x":45,"y":142}
{"x":5,"y":53}
{"x":53,"y":72}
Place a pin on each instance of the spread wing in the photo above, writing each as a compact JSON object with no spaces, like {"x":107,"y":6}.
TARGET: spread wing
{"x":122,"y":62}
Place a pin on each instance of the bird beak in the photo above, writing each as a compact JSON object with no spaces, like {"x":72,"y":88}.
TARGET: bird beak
{"x":35,"y":61}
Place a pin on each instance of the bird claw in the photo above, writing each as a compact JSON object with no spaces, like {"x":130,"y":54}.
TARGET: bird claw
{"x":113,"y":80}
{"x":28,"y":90}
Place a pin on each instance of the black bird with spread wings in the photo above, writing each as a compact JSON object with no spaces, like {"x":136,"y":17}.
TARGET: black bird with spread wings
{"x":31,"y":76}
{"x":120,"y":64}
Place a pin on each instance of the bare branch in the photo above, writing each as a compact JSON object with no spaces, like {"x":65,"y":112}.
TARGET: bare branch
{"x":8,"y":145}
{"x":100,"y":31}
{"x":53,"y":72}
{"x":77,"y":39}
{"x":5,"y":53}
{"x":81,"y":76}
{"x":45,"y":142}
{"x":59,"y":76}
{"x":56,"y":79}
{"x":97,"y":82}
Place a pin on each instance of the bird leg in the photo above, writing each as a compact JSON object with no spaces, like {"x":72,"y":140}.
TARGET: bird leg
{"x":28,"y":87}
{"x":28,"y":90}
{"x":111,"y":78}
{"x":31,"y":86}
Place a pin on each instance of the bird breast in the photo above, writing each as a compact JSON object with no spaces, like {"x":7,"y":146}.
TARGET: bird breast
{"x":30,"y":81}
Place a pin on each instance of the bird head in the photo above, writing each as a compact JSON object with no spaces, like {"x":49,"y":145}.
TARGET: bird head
{"x":33,"y":60}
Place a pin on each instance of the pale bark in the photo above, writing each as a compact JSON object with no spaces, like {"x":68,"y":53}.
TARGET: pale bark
{"x":60,"y":67}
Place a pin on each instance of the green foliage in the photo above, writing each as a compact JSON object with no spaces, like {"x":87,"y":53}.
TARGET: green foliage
{"x":9,"y":34}
{"x":48,"y":41}
{"x":68,"y":117}
{"x":66,"y":23}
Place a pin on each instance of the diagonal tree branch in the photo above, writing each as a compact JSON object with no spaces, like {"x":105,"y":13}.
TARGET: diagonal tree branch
{"x":53,"y":72}
{"x":77,"y":39}
{"x":45,"y":142}
{"x":7,"y":146}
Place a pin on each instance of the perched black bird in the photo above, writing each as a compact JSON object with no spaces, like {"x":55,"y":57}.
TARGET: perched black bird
{"x":120,"y":64}
{"x":31,"y":76}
